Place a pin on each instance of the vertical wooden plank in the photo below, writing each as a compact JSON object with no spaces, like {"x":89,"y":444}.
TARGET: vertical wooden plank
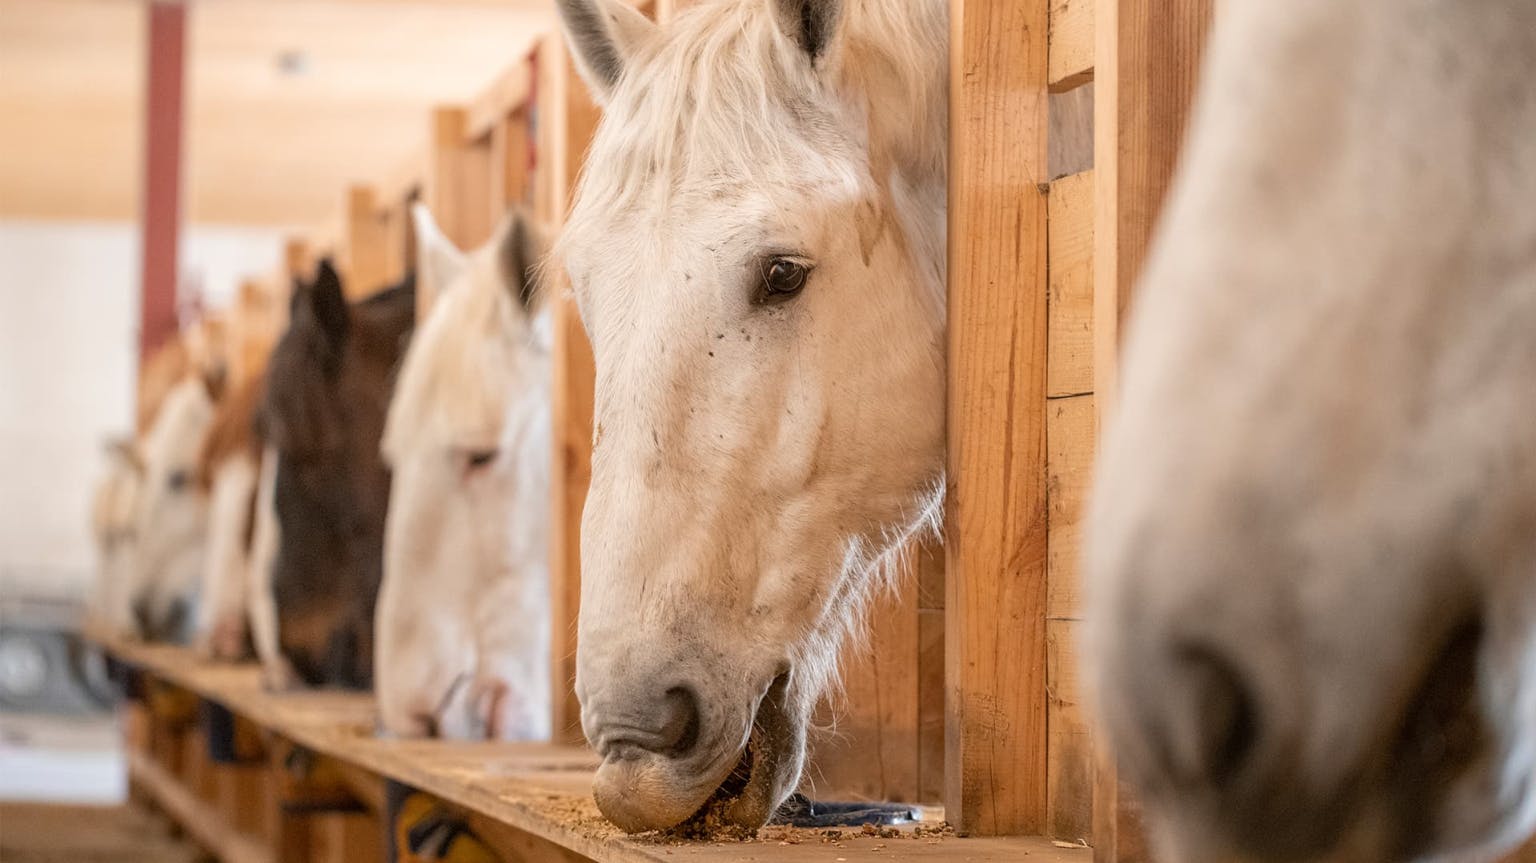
{"x":873,"y":754}
{"x":160,"y":216}
{"x":1147,"y":55}
{"x":930,"y":672}
{"x":1070,"y":754}
{"x":567,"y":119}
{"x":366,"y":242}
{"x":479,"y":201}
{"x":440,"y":192}
{"x":510,"y":149}
{"x":995,"y":639}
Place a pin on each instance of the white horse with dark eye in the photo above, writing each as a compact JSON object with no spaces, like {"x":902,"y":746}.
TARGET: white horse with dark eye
{"x":757,"y":250}
{"x":1312,"y":553}
{"x":463,"y":613}
{"x":114,"y":517}
{"x":172,"y":515}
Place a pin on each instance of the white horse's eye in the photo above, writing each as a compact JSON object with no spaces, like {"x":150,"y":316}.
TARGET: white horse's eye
{"x":783,"y":278}
{"x":477,"y":459}
{"x":179,"y":480}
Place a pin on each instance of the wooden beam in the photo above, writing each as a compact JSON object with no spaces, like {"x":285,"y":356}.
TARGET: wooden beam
{"x":995,"y":638}
{"x":566,"y":119}
{"x":509,"y":92}
{"x":1071,"y":63}
{"x":511,"y":150}
{"x":1147,"y":56}
{"x":160,"y":213}
{"x":365,"y":245}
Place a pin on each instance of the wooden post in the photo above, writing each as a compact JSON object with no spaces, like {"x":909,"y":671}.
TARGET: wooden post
{"x":458,"y":185}
{"x":566,"y":118}
{"x":510,"y":150}
{"x":996,"y":523}
{"x":366,"y":244}
{"x":1147,"y":55}
{"x":160,"y":219}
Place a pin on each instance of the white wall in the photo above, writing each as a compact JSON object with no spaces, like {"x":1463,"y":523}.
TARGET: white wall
{"x":68,"y":361}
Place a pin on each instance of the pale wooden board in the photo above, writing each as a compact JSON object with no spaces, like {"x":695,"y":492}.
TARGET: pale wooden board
{"x":1070,"y":433}
{"x":1071,"y":62}
{"x":1147,"y":57}
{"x":567,"y":119}
{"x":542,"y":789}
{"x":1071,"y":284}
{"x":995,"y":647}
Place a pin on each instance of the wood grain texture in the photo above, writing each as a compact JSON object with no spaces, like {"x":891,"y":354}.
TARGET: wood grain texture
{"x":1147,"y":58}
{"x":566,"y":119}
{"x":996,"y":520}
{"x":1070,"y":230}
{"x":1070,"y":757}
{"x":1071,"y":63}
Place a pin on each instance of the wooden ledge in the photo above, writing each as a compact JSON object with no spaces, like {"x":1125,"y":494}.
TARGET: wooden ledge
{"x":541,"y":789}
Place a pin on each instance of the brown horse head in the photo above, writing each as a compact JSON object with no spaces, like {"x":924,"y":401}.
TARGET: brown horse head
{"x":328,"y":388}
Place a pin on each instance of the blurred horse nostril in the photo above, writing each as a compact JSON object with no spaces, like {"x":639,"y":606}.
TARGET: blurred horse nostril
{"x":680,"y":729}
{"x":1226,"y":724}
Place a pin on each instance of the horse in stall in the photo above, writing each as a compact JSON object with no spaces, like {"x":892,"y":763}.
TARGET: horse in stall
{"x":1312,"y":547}
{"x":114,"y":510}
{"x":463,"y":615}
{"x":757,"y":249}
{"x":328,"y":386}
{"x":227,"y":469}
{"x":172,"y":512}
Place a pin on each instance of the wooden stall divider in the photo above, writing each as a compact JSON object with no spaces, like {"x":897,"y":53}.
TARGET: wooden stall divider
{"x":365,"y":250}
{"x":1147,"y":56}
{"x":996,"y":523}
{"x":566,"y":118}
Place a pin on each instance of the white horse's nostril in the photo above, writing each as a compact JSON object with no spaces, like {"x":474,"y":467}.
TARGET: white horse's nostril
{"x":680,"y":732}
{"x":1225,"y":727}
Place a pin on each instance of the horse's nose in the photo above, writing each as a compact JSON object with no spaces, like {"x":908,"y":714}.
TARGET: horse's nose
{"x":666,"y":725}
{"x":1209,"y":718}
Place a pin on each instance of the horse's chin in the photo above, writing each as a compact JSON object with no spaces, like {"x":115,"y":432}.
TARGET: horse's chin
{"x":642,"y":792}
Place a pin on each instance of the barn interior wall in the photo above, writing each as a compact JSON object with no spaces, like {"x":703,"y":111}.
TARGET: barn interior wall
{"x":68,"y":318}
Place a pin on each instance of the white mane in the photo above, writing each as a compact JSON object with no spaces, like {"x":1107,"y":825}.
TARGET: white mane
{"x":719,"y":68}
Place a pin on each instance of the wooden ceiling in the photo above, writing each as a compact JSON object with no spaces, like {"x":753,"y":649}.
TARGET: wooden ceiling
{"x":263,"y":147}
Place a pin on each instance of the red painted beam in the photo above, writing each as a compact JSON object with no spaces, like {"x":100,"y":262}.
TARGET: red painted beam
{"x":160,"y":196}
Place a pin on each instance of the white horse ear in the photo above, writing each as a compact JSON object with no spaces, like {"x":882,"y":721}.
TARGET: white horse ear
{"x":603,"y":35}
{"x":810,"y":24}
{"x":521,"y":244}
{"x":439,"y":262}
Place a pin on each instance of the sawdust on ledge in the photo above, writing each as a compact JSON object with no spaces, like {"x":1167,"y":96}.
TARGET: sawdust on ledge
{"x":580,"y":814}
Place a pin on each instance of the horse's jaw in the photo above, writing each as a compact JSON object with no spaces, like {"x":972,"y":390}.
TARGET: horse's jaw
{"x":741,"y":788}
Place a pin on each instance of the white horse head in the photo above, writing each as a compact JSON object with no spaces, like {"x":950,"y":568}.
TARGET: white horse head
{"x":463,"y":613}
{"x":172,"y":514}
{"x":228,"y":465}
{"x":1312,"y":557}
{"x":114,"y":519}
{"x":757,"y":250}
